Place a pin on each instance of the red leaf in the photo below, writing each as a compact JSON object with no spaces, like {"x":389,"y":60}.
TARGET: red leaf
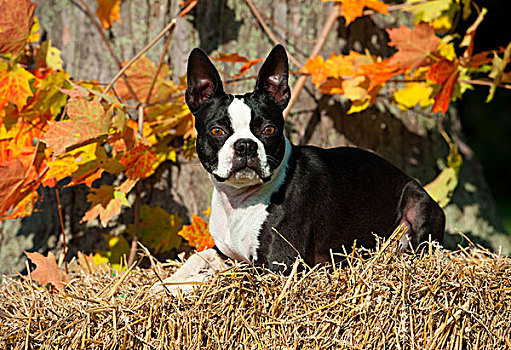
{"x":414,"y":45}
{"x":47,"y":270}
{"x":441,"y":71}
{"x":443,"y":97}
{"x":139,"y":162}
{"x":12,"y":176}
{"x":197,"y":234}
{"x":16,"y":19}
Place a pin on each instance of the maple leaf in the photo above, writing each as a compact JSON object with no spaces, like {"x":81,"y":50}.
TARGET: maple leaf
{"x":414,"y":45}
{"x":156,"y":219}
{"x":107,"y":202}
{"x":139,"y":162}
{"x":315,"y":66}
{"x":352,"y":9}
{"x":378,"y":73}
{"x":25,"y":205}
{"x":47,"y":270}
{"x":16,"y":20}
{"x":443,"y":97}
{"x":87,"y":263}
{"x":440,"y":71}
{"x":230,"y":57}
{"x":427,"y":11}
{"x":88,"y":120}
{"x":12,"y":177}
{"x":413,"y":94}
{"x":197,"y":234}
{"x":244,"y":68}
{"x":108,"y":11}
{"x":140,"y":76}
{"x":468,"y":39}
{"x":14,"y":85}
{"x":497,"y":70}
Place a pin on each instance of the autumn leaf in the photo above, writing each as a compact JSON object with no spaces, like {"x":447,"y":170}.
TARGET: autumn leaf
{"x":197,"y":234}
{"x":140,"y":76}
{"x":107,"y":202}
{"x":16,"y":20}
{"x":108,"y":11}
{"x":442,"y":187}
{"x":413,"y":94}
{"x":156,"y":219}
{"x":468,"y":39}
{"x":315,"y":66}
{"x":440,"y":71}
{"x":414,"y":46}
{"x":497,"y":70}
{"x":87,"y":263}
{"x":12,"y":177}
{"x":88,"y":120}
{"x":139,"y":162}
{"x":352,"y":9}
{"x":47,"y":270}
{"x":244,"y":68}
{"x":14,"y":85}
{"x":443,"y":97}
{"x":427,"y":11}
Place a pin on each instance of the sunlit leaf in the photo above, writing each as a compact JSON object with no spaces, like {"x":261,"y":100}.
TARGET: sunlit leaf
{"x":47,"y":270}
{"x":108,"y":11}
{"x":14,"y":85}
{"x":16,"y":20}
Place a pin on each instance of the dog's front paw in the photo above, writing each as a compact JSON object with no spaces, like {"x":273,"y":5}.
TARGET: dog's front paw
{"x":174,"y":287}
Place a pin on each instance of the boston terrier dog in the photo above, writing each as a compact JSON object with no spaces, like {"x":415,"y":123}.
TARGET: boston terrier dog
{"x":273,"y":200}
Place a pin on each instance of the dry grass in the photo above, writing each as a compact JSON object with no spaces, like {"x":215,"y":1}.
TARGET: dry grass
{"x":387,"y":300}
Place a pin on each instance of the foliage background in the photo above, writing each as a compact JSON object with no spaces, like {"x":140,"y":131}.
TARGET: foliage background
{"x":228,"y":26}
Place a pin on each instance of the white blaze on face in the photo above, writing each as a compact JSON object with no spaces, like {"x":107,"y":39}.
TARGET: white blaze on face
{"x":240,"y":116}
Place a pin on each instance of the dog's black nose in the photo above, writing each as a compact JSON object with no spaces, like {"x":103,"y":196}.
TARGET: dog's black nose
{"x":245,"y":147}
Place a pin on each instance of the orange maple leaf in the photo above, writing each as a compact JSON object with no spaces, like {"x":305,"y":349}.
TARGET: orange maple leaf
{"x":108,"y":11}
{"x":107,"y":202}
{"x":47,"y":270}
{"x":197,"y":234}
{"x":315,"y":66}
{"x":244,"y":68}
{"x":14,"y":86}
{"x":139,"y":162}
{"x":351,"y":9}
{"x":140,"y":77}
{"x":16,"y":19}
{"x":88,"y":120}
{"x":415,"y":46}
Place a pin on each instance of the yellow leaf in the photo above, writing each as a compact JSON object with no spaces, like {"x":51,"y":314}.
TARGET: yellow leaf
{"x":427,"y":11}
{"x":353,"y":90}
{"x":50,"y":55}
{"x":413,"y":94}
{"x":442,"y":187}
{"x":358,"y":106}
{"x":34,"y":35}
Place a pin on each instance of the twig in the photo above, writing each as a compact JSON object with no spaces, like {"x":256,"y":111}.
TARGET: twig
{"x":320,"y":42}
{"x":160,"y":63}
{"x":170,"y":26}
{"x":107,"y":43}
{"x":59,"y":207}
{"x":268,"y":31}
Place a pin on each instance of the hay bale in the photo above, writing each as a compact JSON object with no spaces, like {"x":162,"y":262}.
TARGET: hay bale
{"x":383,"y":300}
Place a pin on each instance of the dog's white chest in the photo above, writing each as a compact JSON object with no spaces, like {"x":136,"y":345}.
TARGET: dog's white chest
{"x":236,"y":230}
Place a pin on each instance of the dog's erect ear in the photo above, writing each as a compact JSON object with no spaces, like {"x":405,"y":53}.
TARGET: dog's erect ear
{"x":273,"y":76}
{"x":204,"y":82}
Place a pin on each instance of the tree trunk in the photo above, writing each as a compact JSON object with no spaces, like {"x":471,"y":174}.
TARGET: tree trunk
{"x":411,"y":139}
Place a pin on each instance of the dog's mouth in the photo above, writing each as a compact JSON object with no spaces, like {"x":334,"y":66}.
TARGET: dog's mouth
{"x":244,"y":175}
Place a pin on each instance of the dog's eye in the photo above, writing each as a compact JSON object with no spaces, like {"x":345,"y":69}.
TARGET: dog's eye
{"x":269,"y":130}
{"x":217,"y":131}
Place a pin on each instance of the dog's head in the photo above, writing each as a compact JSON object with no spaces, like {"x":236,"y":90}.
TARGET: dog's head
{"x":240,"y":138}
